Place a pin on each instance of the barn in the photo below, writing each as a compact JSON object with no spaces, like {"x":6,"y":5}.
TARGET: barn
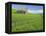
{"x":22,"y":10}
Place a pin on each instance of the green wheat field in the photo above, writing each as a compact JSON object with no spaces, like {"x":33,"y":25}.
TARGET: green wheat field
{"x":26,"y":22}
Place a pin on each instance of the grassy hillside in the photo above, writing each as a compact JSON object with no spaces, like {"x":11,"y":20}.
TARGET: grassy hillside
{"x":27,"y":22}
{"x":13,"y":11}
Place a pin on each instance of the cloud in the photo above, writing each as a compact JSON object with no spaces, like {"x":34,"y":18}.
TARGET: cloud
{"x":35,"y":11}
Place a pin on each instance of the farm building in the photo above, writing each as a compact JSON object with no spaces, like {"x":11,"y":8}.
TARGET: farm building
{"x":22,"y":10}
